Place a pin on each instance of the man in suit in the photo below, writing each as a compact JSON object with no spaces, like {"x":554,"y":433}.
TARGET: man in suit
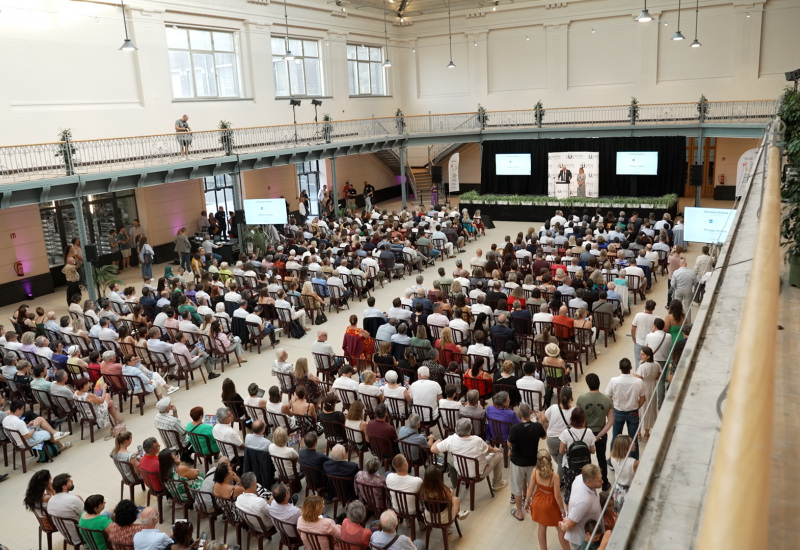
{"x":311,"y":457}
{"x":564,"y":175}
{"x":502,"y":330}
{"x":339,"y":466}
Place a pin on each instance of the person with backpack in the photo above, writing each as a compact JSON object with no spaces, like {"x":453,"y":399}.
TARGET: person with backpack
{"x":577,"y":448}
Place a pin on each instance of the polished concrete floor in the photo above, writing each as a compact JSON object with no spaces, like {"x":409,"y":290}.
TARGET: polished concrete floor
{"x":93,"y":472}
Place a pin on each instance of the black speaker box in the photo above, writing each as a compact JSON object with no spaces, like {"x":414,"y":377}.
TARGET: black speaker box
{"x":238,"y":216}
{"x":90,"y":250}
{"x":696,"y":175}
{"x":487,"y":221}
{"x":436,"y":174}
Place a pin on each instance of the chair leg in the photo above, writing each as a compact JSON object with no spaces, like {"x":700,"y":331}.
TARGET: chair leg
{"x":472,"y":496}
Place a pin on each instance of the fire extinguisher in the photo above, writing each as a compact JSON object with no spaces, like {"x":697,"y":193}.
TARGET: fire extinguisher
{"x":722,"y":179}
{"x":19,"y":270}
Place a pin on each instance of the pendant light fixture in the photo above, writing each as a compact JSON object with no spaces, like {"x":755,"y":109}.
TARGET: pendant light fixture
{"x":696,"y":43}
{"x":450,"y":65}
{"x":289,"y":56}
{"x":127,"y":45}
{"x":678,"y":35}
{"x":386,"y":63}
{"x":645,"y":16}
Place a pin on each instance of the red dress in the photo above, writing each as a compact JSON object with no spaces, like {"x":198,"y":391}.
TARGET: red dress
{"x":544,"y":508}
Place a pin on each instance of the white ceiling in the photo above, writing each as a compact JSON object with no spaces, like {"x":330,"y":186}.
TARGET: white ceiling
{"x":410,"y":8}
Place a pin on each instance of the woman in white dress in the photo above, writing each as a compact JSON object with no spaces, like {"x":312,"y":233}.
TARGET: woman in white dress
{"x":648,"y":371}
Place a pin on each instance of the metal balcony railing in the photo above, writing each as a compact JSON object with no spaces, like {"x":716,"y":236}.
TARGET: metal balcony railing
{"x":50,"y":160}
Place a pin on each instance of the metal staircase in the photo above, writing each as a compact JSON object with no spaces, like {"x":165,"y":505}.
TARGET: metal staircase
{"x":422,"y":189}
{"x":390,"y":158}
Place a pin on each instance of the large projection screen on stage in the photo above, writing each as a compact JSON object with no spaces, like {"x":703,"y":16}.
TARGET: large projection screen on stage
{"x":513,"y":165}
{"x":574,"y":161}
{"x":637,"y":163}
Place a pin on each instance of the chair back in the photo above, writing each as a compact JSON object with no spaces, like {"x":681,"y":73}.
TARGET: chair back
{"x":171,"y":439}
{"x":316,"y":541}
{"x":478,"y":426}
{"x":539,"y":326}
{"x":417,"y":455}
{"x":86,"y":411}
{"x":279,"y":420}
{"x":382,"y":448}
{"x":68,"y":528}
{"x":289,"y":535}
{"x":152,"y":481}
{"x":229,"y":510}
{"x":468,"y":467}
{"x":66,"y":407}
{"x":439,"y":512}
{"x":405,"y":504}
{"x":256,"y":413}
{"x":286,"y":468}
{"x":499,"y":430}
{"x":334,"y":432}
{"x":425,"y":413}
{"x":602,"y":320}
{"x":375,"y":498}
{"x":256,"y":524}
{"x":531,"y":397}
{"x":345,"y":545}
{"x":178,"y":489}
{"x":449,"y":419}
{"x":399,"y":409}
{"x":286,"y":382}
{"x":348,"y":397}
{"x":42,"y":398}
{"x":126,"y":471}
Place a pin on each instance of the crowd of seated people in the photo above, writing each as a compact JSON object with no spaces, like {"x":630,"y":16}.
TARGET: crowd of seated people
{"x":514,"y":329}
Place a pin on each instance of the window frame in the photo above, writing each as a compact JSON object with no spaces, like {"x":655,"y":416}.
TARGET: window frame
{"x":368,"y":62}
{"x":234,"y":33}
{"x":298,"y":56}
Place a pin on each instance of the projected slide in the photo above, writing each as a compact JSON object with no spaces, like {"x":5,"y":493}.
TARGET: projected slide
{"x":707,"y":225}
{"x":513,"y":165}
{"x":637,"y":163}
{"x":265,"y":211}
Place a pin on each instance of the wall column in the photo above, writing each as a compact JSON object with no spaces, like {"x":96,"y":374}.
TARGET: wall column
{"x":334,"y":190}
{"x":403,"y":191}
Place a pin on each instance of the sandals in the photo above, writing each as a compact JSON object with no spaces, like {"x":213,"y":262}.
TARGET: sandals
{"x":514,"y":515}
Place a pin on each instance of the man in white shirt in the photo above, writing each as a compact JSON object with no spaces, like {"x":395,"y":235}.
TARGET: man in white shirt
{"x":62,"y":503}
{"x":530,"y":382}
{"x":345,"y":382}
{"x":186,"y":324}
{"x":36,"y":431}
{"x":641,"y":326}
{"x":481,"y":306}
{"x":283,"y":506}
{"x":202,"y":306}
{"x":479,"y":347}
{"x":437,"y":318}
{"x":490,"y":459}
{"x":281,"y":302}
{"x":193,"y":357}
{"x":255,"y":317}
{"x":398,"y":312}
{"x":342,"y":268}
{"x":372,"y":311}
{"x":401,"y":337}
{"x":544,"y":314}
{"x":334,"y":280}
{"x":426,"y":392}
{"x":224,"y":430}
{"x":627,"y":394}
{"x":558,"y":219}
{"x":322,"y":347}
{"x":400,"y":480}
{"x":232,"y":295}
{"x":258,"y":439}
{"x":387,"y":330}
{"x":281,"y":364}
{"x":249,"y":501}
{"x":478,"y":260}
{"x":105,"y":332}
{"x":459,"y":323}
{"x":659,"y":341}
{"x":163,"y":300}
{"x":584,"y":504}
{"x":113,"y":296}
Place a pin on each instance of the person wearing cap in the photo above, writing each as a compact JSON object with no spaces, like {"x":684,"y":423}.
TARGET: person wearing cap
{"x":75,"y":364}
{"x":552,"y":351}
{"x":167,"y":419}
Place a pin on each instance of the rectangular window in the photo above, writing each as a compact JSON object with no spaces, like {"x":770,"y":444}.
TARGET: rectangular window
{"x":365,"y":72}
{"x":303,"y":75}
{"x":219,"y":192}
{"x":203,"y":63}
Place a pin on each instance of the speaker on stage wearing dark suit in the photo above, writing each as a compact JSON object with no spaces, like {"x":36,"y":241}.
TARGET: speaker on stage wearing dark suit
{"x":696,"y":175}
{"x":90,"y":251}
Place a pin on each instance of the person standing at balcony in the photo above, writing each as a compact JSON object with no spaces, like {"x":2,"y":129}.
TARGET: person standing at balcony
{"x":185,"y":140}
{"x":581,"y":183}
{"x":369,"y":193}
{"x":222,"y":222}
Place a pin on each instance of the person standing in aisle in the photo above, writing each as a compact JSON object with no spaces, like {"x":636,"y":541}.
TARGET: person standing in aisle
{"x":184,"y":137}
{"x":124,"y":242}
{"x":183,"y":248}
{"x":114,"y":246}
{"x":222,"y":222}
{"x":146,"y":258}
{"x":369,"y":192}
{"x":136,"y":233}
{"x":70,"y":271}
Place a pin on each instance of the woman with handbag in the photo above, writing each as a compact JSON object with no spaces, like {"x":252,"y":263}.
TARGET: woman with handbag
{"x":146,"y":257}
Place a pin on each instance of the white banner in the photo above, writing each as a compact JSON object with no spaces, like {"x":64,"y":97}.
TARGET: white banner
{"x":746,"y":165}
{"x":452,"y":172}
{"x":573,"y":162}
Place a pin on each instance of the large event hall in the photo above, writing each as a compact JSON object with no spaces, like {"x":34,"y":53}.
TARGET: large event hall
{"x":399,"y":274}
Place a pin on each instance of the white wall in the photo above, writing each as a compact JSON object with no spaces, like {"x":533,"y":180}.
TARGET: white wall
{"x":66,"y":71}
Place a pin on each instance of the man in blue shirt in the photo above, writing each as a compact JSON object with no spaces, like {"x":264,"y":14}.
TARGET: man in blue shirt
{"x":319,"y":281}
{"x":150,"y":538}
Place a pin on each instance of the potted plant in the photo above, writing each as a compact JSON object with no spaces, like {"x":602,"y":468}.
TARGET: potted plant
{"x":633,"y":110}
{"x":105,"y":275}
{"x":400,"y":121}
{"x":538,"y":113}
{"x":327,"y":127}
{"x":526,"y":200}
{"x":483,"y":118}
{"x":789,"y":112}
{"x":255,"y":240}
{"x":702,"y":108}
{"x":502,"y":199}
{"x":490,"y":199}
{"x":226,"y":136}
{"x":67,"y":151}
